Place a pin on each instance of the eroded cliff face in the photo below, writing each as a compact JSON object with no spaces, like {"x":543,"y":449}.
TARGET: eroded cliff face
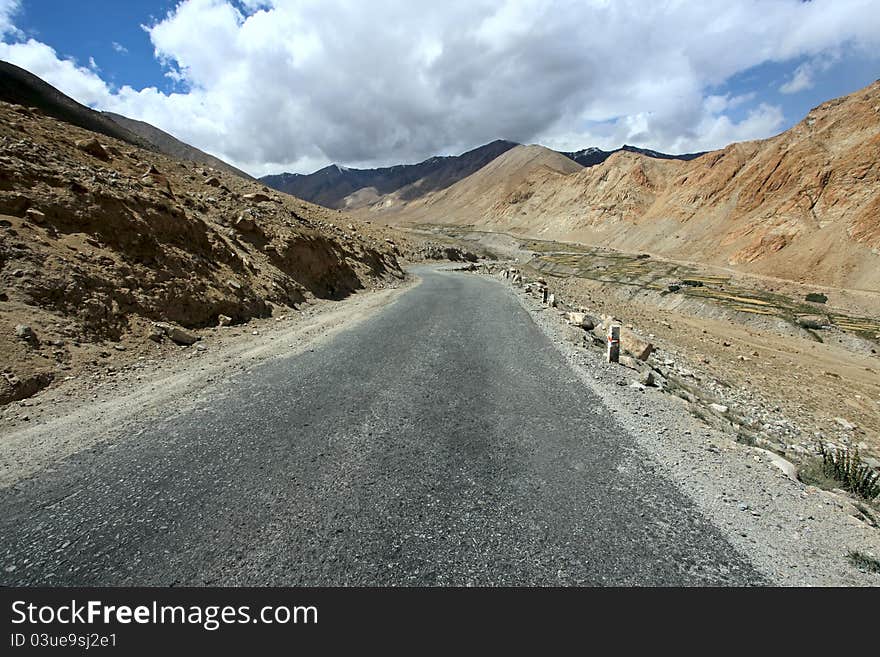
{"x":99,"y":239}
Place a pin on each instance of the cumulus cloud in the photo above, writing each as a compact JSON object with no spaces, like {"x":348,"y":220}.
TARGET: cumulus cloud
{"x":804,"y":75}
{"x":8,"y":8}
{"x":295,"y":84}
{"x":76,"y":81}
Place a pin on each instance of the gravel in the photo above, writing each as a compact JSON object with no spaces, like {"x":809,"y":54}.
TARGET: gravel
{"x":797,"y":535}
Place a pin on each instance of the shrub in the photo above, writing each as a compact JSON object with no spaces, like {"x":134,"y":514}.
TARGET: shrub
{"x":864,"y":562}
{"x":846,"y":466}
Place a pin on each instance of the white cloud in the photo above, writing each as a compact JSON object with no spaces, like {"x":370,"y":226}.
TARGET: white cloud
{"x":76,"y":81}
{"x":804,"y":75}
{"x":293,"y":84}
{"x":118,"y":47}
{"x":8,"y":9}
{"x":801,"y":80}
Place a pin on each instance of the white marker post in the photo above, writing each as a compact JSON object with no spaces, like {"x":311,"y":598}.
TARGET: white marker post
{"x":614,"y":343}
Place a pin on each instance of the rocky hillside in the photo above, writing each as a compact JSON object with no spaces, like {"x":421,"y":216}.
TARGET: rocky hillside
{"x":101,"y":240}
{"x":20,"y":87}
{"x":804,"y":205}
{"x":172,"y":146}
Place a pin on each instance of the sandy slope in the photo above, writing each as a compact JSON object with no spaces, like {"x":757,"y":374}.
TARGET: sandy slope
{"x":804,"y":205}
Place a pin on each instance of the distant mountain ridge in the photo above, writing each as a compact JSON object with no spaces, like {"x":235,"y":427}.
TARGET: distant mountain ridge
{"x":341,"y":187}
{"x":332,"y":185}
{"x":590,"y":157}
{"x":21,"y":87}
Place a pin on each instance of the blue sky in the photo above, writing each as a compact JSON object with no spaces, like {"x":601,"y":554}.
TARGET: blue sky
{"x":84,"y":30}
{"x":292,"y":85}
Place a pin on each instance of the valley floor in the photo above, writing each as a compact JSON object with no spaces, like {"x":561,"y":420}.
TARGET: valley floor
{"x":454,"y":436}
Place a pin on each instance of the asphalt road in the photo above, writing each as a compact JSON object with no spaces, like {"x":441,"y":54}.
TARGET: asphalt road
{"x":442,"y":441}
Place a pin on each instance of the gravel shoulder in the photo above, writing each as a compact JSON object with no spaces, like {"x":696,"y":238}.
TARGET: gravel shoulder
{"x":92,"y":408}
{"x":797,"y":535}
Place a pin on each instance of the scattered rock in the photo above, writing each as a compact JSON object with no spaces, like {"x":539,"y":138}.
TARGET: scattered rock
{"x":719,"y":408}
{"x":812,"y":322}
{"x":786,"y":466}
{"x":256,"y":198}
{"x":846,"y":425}
{"x":155,"y":334}
{"x":177,"y":334}
{"x":213,"y":181}
{"x":245,"y":224}
{"x":224,"y":320}
{"x":637,"y":346}
{"x":26,"y":333}
{"x":581,"y":320}
{"x":93,"y":147}
{"x":35,"y":215}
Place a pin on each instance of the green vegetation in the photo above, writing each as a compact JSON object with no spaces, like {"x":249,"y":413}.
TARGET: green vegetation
{"x":608,"y":266}
{"x":563,"y":259}
{"x":864,"y":562}
{"x":846,"y":467}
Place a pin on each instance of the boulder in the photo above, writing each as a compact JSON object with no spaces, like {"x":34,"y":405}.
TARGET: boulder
{"x":213,"y":181}
{"x":637,"y":346}
{"x":581,"y":320}
{"x":256,"y":198}
{"x":719,"y":408}
{"x":35,"y":215}
{"x":787,"y":467}
{"x":245,"y":224}
{"x":224,"y":320}
{"x":93,"y":147}
{"x":812,"y":321}
{"x":26,"y":333}
{"x":177,"y":334}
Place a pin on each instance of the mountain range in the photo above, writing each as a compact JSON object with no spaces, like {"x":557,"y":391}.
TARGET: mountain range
{"x":803,"y":205}
{"x":340,"y":187}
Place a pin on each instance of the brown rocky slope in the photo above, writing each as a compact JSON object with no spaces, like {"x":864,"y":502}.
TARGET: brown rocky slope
{"x":99,"y":240}
{"x":804,"y":205}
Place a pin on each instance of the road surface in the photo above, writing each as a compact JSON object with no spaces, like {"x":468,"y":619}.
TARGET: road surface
{"x":443,"y":441}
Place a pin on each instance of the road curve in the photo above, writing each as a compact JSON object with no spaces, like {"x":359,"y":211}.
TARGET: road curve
{"x":444,"y":441}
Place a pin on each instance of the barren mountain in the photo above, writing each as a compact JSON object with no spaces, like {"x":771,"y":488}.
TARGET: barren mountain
{"x":343,"y":187}
{"x":589,"y":157}
{"x":803,"y":205}
{"x":172,"y":146}
{"x":99,"y":240}
{"x":513,"y":176}
{"x":20,"y":87}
